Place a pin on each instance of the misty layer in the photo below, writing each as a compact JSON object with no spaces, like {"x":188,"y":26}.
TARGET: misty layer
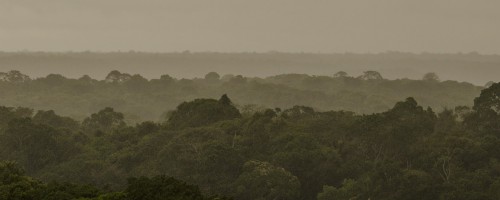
{"x":151,"y":99}
{"x":471,"y":67}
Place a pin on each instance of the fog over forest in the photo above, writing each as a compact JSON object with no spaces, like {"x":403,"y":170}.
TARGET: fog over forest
{"x":249,"y":100}
{"x":471,"y":67}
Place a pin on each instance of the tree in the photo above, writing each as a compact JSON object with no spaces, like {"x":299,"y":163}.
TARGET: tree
{"x":9,"y":113}
{"x":53,"y":79}
{"x":167,"y":79}
{"x":262,"y":180}
{"x":137,"y":83}
{"x":431,"y":76}
{"x":340,"y":74}
{"x":371,"y":75}
{"x":68,"y":191}
{"x":298,"y":112}
{"x":161,"y":188}
{"x":489,"y":99}
{"x":486,"y":111}
{"x":147,"y":127}
{"x":405,"y":123}
{"x":303,"y":155}
{"x":238,"y":80}
{"x":86,"y":78}
{"x":212,"y":76}
{"x":31,"y":144}
{"x":14,"y":76}
{"x":52,"y":119}
{"x":202,"y":112}
{"x":349,"y":190}
{"x":224,"y":99}
{"x":105,"y":120}
{"x":117,"y":77}
{"x":14,"y":185}
{"x":489,"y":84}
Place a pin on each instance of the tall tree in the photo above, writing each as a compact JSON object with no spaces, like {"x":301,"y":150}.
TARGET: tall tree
{"x":105,"y":120}
{"x":431,"y":76}
{"x":486,"y":115}
{"x":202,"y":112}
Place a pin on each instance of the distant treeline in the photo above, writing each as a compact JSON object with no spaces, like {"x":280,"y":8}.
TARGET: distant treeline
{"x":151,"y":99}
{"x":470,"y":67}
{"x":405,"y":152}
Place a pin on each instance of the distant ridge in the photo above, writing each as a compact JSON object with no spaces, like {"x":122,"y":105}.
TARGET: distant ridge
{"x":471,"y":67}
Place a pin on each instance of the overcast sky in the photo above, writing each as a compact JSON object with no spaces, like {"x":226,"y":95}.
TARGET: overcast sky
{"x":251,"y":25}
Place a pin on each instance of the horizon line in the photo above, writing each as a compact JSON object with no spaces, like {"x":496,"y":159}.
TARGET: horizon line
{"x":255,"y":52}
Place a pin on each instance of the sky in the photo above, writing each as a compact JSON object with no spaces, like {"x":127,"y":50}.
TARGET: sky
{"x":326,"y":26}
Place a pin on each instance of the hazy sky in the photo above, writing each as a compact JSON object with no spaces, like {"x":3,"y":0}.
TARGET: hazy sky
{"x":251,"y":25}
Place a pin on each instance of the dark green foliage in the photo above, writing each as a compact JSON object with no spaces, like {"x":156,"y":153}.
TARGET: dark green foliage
{"x":262,"y":180}
{"x":33,"y":145}
{"x":51,"y":119}
{"x":350,"y":189}
{"x":14,"y":185}
{"x":68,"y":191}
{"x":406,"y":152}
{"x":486,"y":116}
{"x":489,"y":99}
{"x":104,"y":121}
{"x":202,"y":112}
{"x":8,"y":113}
{"x":161,"y":188}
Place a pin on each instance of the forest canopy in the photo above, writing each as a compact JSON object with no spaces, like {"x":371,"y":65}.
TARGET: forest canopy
{"x":209,"y":149}
{"x":141,"y":99}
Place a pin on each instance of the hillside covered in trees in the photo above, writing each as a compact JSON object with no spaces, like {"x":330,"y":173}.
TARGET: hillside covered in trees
{"x":141,"y":99}
{"x":407,"y":151}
